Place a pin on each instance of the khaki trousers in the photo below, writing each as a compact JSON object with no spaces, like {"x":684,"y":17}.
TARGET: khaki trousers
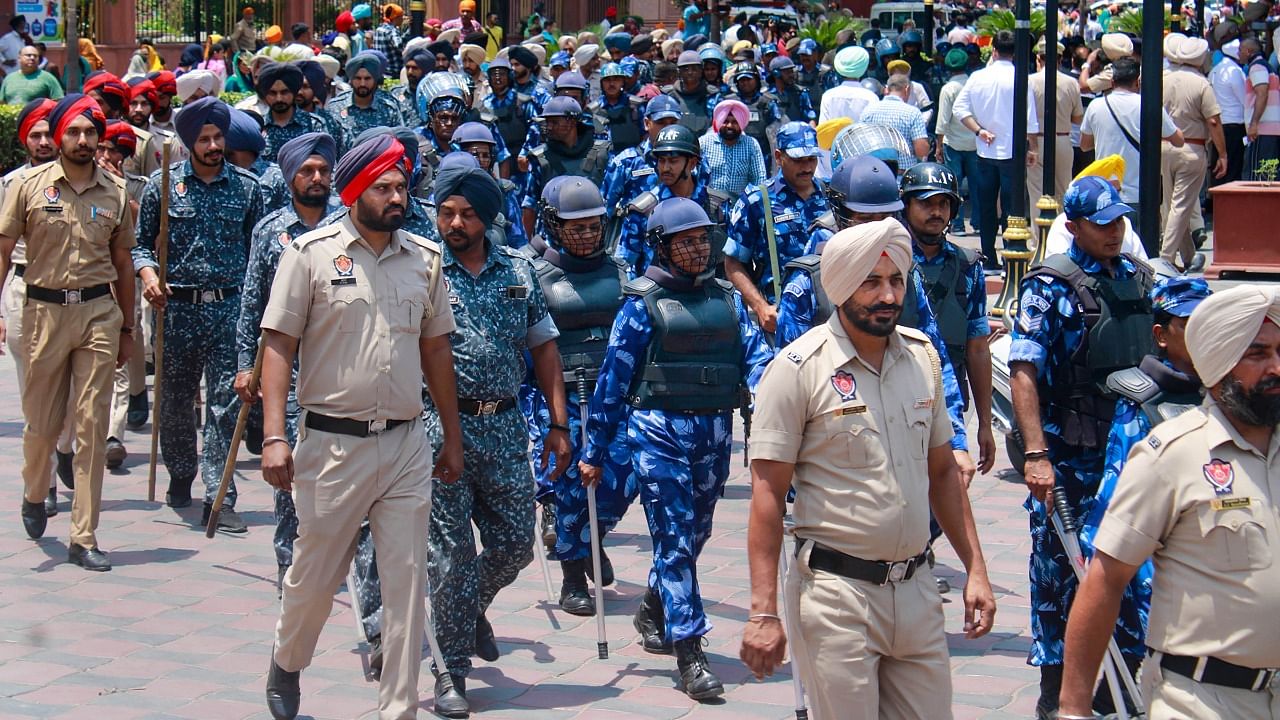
{"x":1182,"y":172}
{"x":866,"y":651}
{"x":1171,"y":696}
{"x":71,"y":352}
{"x":338,"y":481}
{"x":132,"y":378}
{"x":1063,"y":156}
{"x":15,"y":295}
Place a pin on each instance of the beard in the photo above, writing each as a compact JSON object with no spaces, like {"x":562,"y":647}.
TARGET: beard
{"x":363,"y":92}
{"x":281,"y":108}
{"x":314,"y":196}
{"x":388,"y":219}
{"x":1254,"y":406}
{"x":459,"y":241}
{"x":728,"y":133}
{"x":861,"y":318}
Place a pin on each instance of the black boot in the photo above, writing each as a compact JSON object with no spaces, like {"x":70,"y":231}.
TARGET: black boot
{"x":486,"y":644}
{"x":606,"y":567}
{"x":283,"y":693}
{"x":574,"y":598}
{"x":548,"y":526}
{"x":375,"y":657}
{"x":451,"y":696}
{"x":1050,"y":688}
{"x":66,"y":473}
{"x":51,"y":503}
{"x":650,"y":621}
{"x":179,"y":494}
{"x":696,"y":678}
{"x":138,"y":412}
{"x":34,"y":519}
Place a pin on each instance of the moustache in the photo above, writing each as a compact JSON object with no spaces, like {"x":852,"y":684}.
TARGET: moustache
{"x":393,"y":207}
{"x":1265,"y":384}
{"x":889,"y":307}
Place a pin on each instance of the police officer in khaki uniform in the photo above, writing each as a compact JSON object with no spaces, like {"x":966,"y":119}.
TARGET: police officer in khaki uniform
{"x":1069,"y":110}
{"x":854,"y":408}
{"x":1198,"y":495}
{"x":76,"y":220}
{"x":365,"y":307}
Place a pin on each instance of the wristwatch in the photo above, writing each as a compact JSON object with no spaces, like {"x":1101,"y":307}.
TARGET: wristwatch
{"x":126,"y":330}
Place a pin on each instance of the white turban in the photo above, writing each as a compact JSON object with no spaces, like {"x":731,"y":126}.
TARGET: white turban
{"x":1116,"y":45}
{"x":585,"y":54}
{"x":189,"y":82}
{"x":1223,"y":326}
{"x":668,"y":46}
{"x":852,"y":254}
{"x":415,"y":44}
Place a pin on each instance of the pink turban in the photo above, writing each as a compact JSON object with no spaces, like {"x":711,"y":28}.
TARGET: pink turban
{"x":730,"y":107}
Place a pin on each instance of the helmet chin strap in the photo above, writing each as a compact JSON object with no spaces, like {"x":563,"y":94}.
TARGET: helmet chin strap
{"x":930,"y":240}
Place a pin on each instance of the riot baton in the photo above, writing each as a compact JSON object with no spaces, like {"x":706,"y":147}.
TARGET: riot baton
{"x":1113,"y":665}
{"x":797,"y":688}
{"x":593,"y":517}
{"x":242,"y":419}
{"x":157,"y":349}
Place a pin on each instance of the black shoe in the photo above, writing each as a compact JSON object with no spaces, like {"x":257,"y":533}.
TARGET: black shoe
{"x":280,"y":571}
{"x":574,"y":598}
{"x":116,"y":453}
{"x":65,"y":472}
{"x":1199,"y":237}
{"x":179,"y":494}
{"x":375,"y":657}
{"x":149,"y":368}
{"x":944,"y":587}
{"x":51,"y":503}
{"x":1050,"y":687}
{"x":91,"y":559}
{"x":548,"y":526}
{"x":228,"y":520}
{"x":606,"y":567}
{"x":34,"y":518}
{"x":486,"y":645}
{"x":650,"y":622}
{"x":253,"y":438}
{"x":696,"y":679}
{"x":138,"y":413}
{"x":283,"y":694}
{"x":451,"y":696}
{"x":1196,"y":265}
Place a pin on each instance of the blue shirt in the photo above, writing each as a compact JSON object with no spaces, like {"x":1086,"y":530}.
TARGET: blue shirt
{"x":275,"y":191}
{"x":696,"y":26}
{"x":634,"y":248}
{"x":301,"y":123}
{"x":748,"y":241}
{"x":734,"y":167}
{"x":907,"y":120}
{"x":384,"y":111}
{"x":628,"y":175}
{"x":975,"y":288}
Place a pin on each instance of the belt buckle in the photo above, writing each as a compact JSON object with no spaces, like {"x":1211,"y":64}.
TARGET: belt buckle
{"x":208,"y":296}
{"x":898,"y":571}
{"x":488,"y":407}
{"x":377,"y":427}
{"x":71,"y":297}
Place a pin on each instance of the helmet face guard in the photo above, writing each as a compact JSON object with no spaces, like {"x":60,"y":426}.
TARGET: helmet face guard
{"x":585,"y":240}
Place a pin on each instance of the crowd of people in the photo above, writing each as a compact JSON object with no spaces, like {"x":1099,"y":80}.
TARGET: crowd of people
{"x":463,"y":282}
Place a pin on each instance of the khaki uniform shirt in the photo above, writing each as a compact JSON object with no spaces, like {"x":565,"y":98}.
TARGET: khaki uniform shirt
{"x":1068,"y":97}
{"x":69,"y":235}
{"x":1189,"y":98}
{"x":1100,"y":82}
{"x":859,"y":439}
{"x":19,"y":256}
{"x":147,"y":157}
{"x":359,"y":318}
{"x":245,"y":37}
{"x":1203,"y":500}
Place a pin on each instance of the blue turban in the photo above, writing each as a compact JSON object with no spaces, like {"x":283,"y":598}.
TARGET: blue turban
{"x":458,"y":159}
{"x":361,"y":11}
{"x":244,"y":133}
{"x":367,"y":61}
{"x":423,"y":59}
{"x":477,"y":186}
{"x":618,"y":41}
{"x":268,"y":74}
{"x":405,"y":135}
{"x":295,"y":152}
{"x":191,"y":55}
{"x":316,"y":79}
{"x":195,"y":115}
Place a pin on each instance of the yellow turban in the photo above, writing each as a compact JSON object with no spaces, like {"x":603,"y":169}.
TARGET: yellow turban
{"x":828,"y":130}
{"x":1109,"y":168}
{"x":1222,"y":327}
{"x":899,"y":67}
{"x":852,"y":254}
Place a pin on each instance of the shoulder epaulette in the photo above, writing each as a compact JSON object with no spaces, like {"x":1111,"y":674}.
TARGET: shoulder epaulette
{"x":913,"y":334}
{"x":1167,"y":432}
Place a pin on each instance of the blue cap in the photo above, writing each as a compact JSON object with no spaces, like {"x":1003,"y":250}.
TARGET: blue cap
{"x":1178,"y":296}
{"x":629,"y":65}
{"x":807,"y":46}
{"x":1093,"y":199}
{"x":613,"y":70}
{"x":767,"y":48}
{"x":798,"y":140}
{"x":781,"y":62}
{"x":663,"y":106}
{"x":560,"y":59}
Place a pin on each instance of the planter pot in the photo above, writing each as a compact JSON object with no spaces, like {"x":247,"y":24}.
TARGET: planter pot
{"x":1243,"y":238}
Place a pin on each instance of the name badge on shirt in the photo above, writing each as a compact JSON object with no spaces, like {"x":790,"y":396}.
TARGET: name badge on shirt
{"x":641,"y":172}
{"x":785,"y":217}
{"x":53,"y":208}
{"x":1230,"y":503}
{"x":517,"y":292}
{"x":343,"y":281}
{"x":755,"y":116}
{"x":851,"y":410}
{"x":923,"y":403}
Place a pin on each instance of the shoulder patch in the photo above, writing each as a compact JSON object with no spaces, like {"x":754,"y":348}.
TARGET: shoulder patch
{"x":1168,"y":432}
{"x":803,"y":347}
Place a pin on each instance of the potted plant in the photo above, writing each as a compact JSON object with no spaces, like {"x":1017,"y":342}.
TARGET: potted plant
{"x":1240,"y":242}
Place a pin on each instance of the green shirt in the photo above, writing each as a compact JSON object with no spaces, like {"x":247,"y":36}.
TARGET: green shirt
{"x":20,"y":89}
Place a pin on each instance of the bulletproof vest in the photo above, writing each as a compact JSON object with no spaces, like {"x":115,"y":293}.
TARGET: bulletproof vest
{"x":757,"y":120}
{"x":944,"y":288}
{"x":1117,"y":319}
{"x":624,"y":132}
{"x":1160,"y":393}
{"x":590,"y":165}
{"x":537,"y":245}
{"x":694,"y":360}
{"x":511,"y":126}
{"x":583,"y":306}
{"x":811,"y":265}
{"x":789,"y":101}
{"x":695,"y":116}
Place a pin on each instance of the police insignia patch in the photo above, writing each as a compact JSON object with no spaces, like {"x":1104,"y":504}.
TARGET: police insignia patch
{"x":1032,"y":313}
{"x":1154,"y":442}
{"x":52,"y":194}
{"x":1220,"y":475}
{"x":344,"y":265}
{"x":180,"y":188}
{"x":284,"y":238}
{"x":844,"y":385}
{"x":794,"y":357}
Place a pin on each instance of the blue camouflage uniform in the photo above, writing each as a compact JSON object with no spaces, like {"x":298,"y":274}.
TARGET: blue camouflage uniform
{"x":210,"y":227}
{"x":407,"y":98}
{"x":680,"y":460}
{"x":796,"y":104}
{"x":1050,"y":328}
{"x":792,"y":217}
{"x":634,"y":249}
{"x":301,"y":123}
{"x":500,"y":312}
{"x":975,"y":291}
{"x":275,"y":190}
{"x":629,"y":174}
{"x":384,"y":111}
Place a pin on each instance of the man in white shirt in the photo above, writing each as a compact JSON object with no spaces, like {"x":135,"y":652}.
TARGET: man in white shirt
{"x":1227,"y":80}
{"x":1111,"y":127}
{"x":848,"y":99}
{"x":11,"y":44}
{"x":985,"y":106}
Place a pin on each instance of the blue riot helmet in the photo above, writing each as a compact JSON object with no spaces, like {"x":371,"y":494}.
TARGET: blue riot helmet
{"x":675,"y":139}
{"x":862,"y":184}
{"x":691,"y":257}
{"x":744,"y":70}
{"x":911,"y":37}
{"x":873,"y":85}
{"x":886,"y":47}
{"x":572,"y":82}
{"x":807,"y":46}
{"x":434,"y":85}
{"x":562,"y":106}
{"x":575,"y":198}
{"x":469,"y":135}
{"x":880,"y":141}
{"x":614,"y":70}
{"x":550,"y":196}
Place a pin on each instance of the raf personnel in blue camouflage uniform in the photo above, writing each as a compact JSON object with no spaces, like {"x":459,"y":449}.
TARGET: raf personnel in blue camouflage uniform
{"x":366,"y":105}
{"x":681,"y":356}
{"x":500,"y":313}
{"x":278,"y":85}
{"x":571,"y":148}
{"x":811,"y":73}
{"x":631,"y":171}
{"x":714,"y":63}
{"x":213,"y":207}
{"x":416,"y":64}
{"x":796,"y":203}
{"x":792,"y":98}
{"x":1059,"y":361}
{"x":244,"y":146}
{"x":617,"y":113}
{"x":692,"y":93}
{"x":511,"y":111}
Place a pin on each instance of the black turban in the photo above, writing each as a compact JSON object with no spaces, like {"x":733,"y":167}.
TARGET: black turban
{"x":641,"y":44}
{"x":271,"y":72}
{"x":440,"y":47}
{"x":295,"y":152}
{"x":524,"y":56}
{"x":367,"y":61}
{"x":476,"y":38}
{"x":477,"y":186}
{"x":314,"y":74}
{"x":194,"y":116}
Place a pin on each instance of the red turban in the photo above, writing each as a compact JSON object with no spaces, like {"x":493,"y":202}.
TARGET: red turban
{"x":71,"y":107}
{"x":145,"y":88}
{"x":32,"y":113}
{"x":165,"y":82}
{"x":366,"y":162}
{"x":121,"y":133}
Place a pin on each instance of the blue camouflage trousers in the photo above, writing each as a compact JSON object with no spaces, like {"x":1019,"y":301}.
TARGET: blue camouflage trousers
{"x":496,"y":494}
{"x":199,"y":340}
{"x":681,"y":463}
{"x":1053,"y":582}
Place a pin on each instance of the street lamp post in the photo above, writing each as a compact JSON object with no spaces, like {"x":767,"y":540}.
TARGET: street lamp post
{"x":1149,"y":133}
{"x":1048,"y":204}
{"x":1016,"y":255}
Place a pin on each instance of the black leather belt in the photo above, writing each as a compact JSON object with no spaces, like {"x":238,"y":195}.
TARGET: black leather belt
{"x":880,"y":573}
{"x":67,"y":297}
{"x":471,"y":406}
{"x":202,"y":296}
{"x":1217,"y":672}
{"x":19,"y":269}
{"x":355,"y":428}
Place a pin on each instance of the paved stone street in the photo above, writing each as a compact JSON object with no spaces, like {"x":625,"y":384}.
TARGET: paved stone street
{"x":182,"y":627}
